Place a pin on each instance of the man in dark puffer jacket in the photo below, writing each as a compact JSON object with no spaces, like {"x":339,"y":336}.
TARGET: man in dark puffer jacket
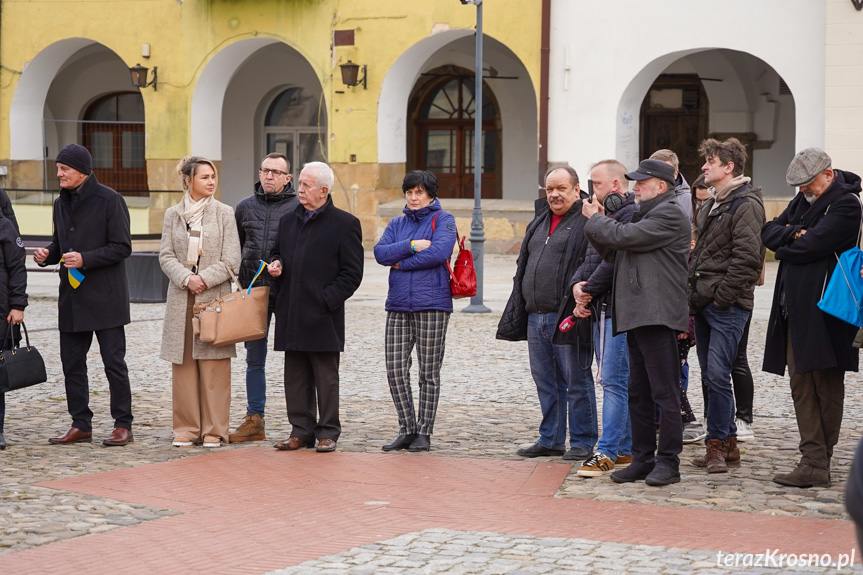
{"x":726,"y":263}
{"x":258,"y":224}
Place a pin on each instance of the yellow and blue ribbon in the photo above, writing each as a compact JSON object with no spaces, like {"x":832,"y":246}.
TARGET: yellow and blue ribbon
{"x":254,"y":279}
{"x":75,"y":277}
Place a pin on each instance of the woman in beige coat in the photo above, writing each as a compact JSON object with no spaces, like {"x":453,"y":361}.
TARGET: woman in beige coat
{"x":199,"y":238}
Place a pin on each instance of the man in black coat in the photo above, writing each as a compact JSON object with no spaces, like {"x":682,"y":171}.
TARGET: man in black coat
{"x":560,"y":362}
{"x":258,"y":225}
{"x":821,"y":222}
{"x":92,"y":238}
{"x":319,"y":262}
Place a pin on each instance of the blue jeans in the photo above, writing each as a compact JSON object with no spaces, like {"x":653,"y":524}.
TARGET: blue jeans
{"x":562,"y":385}
{"x":616,"y":430}
{"x":256,"y":375}
{"x":717,"y":333}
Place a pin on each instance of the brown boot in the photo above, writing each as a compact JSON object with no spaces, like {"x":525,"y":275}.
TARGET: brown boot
{"x":714,"y":457}
{"x":252,"y":429}
{"x":729,"y":451}
{"x":804,"y":476}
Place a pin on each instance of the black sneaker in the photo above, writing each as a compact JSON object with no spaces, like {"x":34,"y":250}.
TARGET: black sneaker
{"x":537,"y":450}
{"x":662,"y":476}
{"x":577,"y":454}
{"x":635,"y":472}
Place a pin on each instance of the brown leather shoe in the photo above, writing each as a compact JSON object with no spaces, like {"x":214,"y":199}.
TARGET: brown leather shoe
{"x":326,"y":445}
{"x":119,"y":437}
{"x":729,"y":451}
{"x":716,"y":457}
{"x":292,"y":444}
{"x":74,"y":435}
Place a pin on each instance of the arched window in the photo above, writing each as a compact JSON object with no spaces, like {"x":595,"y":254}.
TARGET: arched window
{"x":444,"y":127}
{"x":113,"y":131}
{"x":294,"y":125}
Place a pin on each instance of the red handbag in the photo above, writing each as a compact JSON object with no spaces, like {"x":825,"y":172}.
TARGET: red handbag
{"x":462,"y":281}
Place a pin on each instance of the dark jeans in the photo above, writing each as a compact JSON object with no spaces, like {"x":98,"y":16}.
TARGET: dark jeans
{"x":2,"y":410}
{"x":256,"y":374}
{"x":654,"y":378}
{"x":73,"y":354}
{"x":717,"y":333}
{"x":741,"y":380}
{"x":312,"y":386}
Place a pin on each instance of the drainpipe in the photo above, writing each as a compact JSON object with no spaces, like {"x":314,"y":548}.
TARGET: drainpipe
{"x":544,"y":50}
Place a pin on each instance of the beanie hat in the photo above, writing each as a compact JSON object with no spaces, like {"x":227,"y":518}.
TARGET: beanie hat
{"x":76,"y":157}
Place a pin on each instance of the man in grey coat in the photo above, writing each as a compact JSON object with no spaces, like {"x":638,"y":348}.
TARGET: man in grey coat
{"x":650,"y":306}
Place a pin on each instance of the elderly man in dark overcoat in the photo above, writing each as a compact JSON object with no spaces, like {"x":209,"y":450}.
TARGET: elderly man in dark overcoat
{"x":822,"y":221}
{"x":649,"y":296}
{"x":92,"y":239}
{"x":319,"y":262}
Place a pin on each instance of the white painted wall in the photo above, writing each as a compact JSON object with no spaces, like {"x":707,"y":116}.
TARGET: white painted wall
{"x":599,"y":76}
{"x":258,"y":79}
{"x":516,"y":98}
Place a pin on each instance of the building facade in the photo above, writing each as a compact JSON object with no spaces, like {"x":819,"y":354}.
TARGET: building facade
{"x":564,"y":81}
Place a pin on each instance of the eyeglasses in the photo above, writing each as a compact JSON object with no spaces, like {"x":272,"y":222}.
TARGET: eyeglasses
{"x":276,"y":173}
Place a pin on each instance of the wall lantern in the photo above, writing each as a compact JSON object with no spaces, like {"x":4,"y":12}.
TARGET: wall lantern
{"x":139,"y":77}
{"x":350,"y":73}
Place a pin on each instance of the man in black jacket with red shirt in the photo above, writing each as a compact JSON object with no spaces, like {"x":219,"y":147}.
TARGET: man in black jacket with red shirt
{"x":822,"y":221}
{"x":92,"y":236}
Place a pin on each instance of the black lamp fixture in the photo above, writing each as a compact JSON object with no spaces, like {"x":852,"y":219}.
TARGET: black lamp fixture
{"x":350,"y":74}
{"x":139,"y":77}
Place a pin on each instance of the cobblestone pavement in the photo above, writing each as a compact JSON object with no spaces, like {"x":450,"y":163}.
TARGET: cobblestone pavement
{"x":488,"y":409}
{"x":460,"y":552}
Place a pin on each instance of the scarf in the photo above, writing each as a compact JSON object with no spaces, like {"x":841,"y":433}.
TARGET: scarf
{"x":720,"y":195}
{"x":193,"y":215}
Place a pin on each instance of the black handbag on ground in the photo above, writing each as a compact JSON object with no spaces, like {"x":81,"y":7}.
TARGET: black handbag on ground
{"x":20,"y":366}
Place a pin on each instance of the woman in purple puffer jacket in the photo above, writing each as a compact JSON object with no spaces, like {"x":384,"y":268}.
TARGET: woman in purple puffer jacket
{"x":417,"y":247}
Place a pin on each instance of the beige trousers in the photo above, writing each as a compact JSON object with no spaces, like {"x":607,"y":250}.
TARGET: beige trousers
{"x":201,"y":392}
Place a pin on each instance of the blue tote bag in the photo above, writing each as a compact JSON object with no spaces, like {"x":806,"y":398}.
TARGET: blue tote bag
{"x":843,"y":295}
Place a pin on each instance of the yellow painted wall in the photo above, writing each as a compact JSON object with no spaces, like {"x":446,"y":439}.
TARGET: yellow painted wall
{"x":184,"y":36}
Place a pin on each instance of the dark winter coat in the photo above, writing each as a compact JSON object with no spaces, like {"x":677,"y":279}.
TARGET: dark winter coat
{"x":7,"y":210}
{"x":258,"y":225}
{"x":421,"y":281}
{"x":649,"y":265}
{"x":729,"y":255}
{"x":599,"y":273}
{"x":832,"y":223}
{"x":513,"y":321}
{"x":322,"y":266}
{"x":98,"y":228}
{"x":13,"y":271}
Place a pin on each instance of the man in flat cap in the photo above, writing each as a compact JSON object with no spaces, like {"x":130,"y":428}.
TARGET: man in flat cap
{"x":725,"y":265}
{"x":92,"y":238}
{"x":822,"y":221}
{"x":650,"y":306}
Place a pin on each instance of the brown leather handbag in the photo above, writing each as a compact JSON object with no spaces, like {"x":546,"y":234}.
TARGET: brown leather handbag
{"x":233,"y":318}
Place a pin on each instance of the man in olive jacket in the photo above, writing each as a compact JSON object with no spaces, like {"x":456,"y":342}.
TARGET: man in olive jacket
{"x":650,"y":306}
{"x":725,"y":266}
{"x":319,"y":260}
{"x":93,"y":238}
{"x":821,"y":222}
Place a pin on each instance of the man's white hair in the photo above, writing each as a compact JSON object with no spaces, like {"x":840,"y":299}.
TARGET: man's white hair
{"x":324,"y":177}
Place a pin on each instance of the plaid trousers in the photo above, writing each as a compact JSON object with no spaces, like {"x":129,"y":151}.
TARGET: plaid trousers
{"x":426,"y":330}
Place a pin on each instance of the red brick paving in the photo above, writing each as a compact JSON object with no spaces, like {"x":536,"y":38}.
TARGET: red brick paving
{"x":255,"y":510}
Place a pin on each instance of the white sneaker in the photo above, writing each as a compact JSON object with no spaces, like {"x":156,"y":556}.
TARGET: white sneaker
{"x":744,"y":431}
{"x":182,"y":442}
{"x":212,"y":441}
{"x":693,"y":432}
